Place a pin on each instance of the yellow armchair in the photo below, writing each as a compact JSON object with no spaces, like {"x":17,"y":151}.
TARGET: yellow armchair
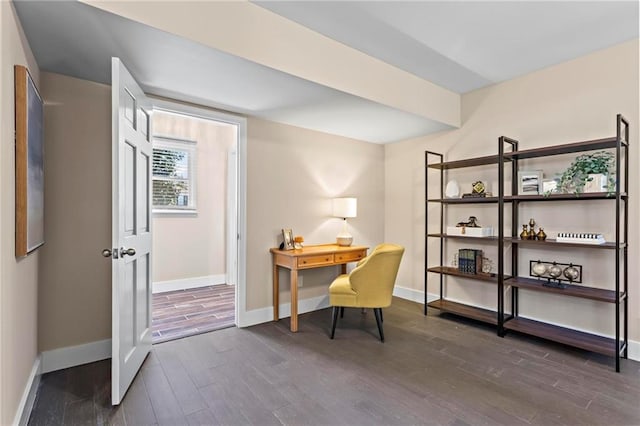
{"x":369,"y":285}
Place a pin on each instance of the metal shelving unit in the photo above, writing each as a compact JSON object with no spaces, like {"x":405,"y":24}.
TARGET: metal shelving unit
{"x":617,"y":296}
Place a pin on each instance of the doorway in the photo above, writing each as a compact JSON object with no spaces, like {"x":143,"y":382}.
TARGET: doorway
{"x":195,"y":235}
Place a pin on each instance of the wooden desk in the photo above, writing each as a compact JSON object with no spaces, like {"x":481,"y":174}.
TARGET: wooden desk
{"x":307,"y":258}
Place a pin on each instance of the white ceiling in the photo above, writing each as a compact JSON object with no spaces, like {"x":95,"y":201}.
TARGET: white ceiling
{"x":465,"y":45}
{"x":458,"y":45}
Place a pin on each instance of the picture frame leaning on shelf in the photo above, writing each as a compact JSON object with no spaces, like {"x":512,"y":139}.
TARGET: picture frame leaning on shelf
{"x":530,"y":182}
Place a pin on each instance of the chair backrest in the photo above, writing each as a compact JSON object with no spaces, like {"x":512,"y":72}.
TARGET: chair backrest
{"x":374,"y":277}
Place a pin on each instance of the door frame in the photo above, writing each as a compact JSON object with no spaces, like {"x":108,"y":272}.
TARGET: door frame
{"x":241,"y":187}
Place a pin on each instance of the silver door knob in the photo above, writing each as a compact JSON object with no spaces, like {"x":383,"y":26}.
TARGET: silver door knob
{"x":106,"y":253}
{"x":128,"y":252}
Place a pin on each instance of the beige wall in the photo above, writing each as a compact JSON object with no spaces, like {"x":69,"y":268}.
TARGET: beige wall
{"x":75,"y":287}
{"x":573,"y":101}
{"x":292,"y":174}
{"x":18,"y":277}
{"x":187,"y":246}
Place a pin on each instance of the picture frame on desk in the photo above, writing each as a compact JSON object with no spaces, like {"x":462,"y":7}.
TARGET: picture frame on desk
{"x":530,"y":182}
{"x":287,"y":238}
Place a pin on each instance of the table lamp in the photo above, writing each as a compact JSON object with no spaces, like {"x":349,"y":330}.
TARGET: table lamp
{"x":345,"y":208}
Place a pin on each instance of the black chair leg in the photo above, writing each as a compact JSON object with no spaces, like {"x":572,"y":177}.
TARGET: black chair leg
{"x":334,"y":320}
{"x":341,"y":311}
{"x":378,"y":313}
{"x":381,"y":317}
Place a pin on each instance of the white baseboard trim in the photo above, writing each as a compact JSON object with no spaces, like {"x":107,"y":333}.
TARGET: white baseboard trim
{"x":184,"y":283}
{"x":413,"y":294}
{"x":634,"y":350}
{"x":28,"y":395}
{"x":418,"y":296}
{"x":262,"y":315}
{"x":71,"y":356}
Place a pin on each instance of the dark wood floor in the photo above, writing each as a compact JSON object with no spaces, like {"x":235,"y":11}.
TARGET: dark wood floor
{"x":192,"y":311}
{"x":430,"y":370}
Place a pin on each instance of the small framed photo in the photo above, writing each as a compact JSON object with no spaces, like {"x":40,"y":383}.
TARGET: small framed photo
{"x":287,"y":237}
{"x":530,"y":182}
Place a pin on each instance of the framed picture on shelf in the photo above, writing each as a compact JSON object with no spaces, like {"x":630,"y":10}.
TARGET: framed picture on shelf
{"x":29,"y":168}
{"x":530,"y":182}
{"x":287,"y":237}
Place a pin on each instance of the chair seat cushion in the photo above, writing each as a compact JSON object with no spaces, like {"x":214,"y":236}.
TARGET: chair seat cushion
{"x":341,"y":293}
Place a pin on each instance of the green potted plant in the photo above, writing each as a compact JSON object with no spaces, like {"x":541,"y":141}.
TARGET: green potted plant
{"x":583,"y":169}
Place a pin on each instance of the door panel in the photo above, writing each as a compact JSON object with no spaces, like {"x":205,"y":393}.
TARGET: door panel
{"x":131,"y":230}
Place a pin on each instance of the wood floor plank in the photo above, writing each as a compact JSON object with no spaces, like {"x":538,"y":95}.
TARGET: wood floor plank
{"x":430,"y":370}
{"x":183,"y":387}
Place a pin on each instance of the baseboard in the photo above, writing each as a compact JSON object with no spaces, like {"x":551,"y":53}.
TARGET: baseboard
{"x":28,"y":395}
{"x":184,"y":283}
{"x":413,"y":294}
{"x":418,"y":296}
{"x":634,"y":350}
{"x":71,"y":356}
{"x":262,"y":315}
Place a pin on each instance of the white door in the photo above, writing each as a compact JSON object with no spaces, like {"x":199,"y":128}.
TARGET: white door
{"x":131,"y":229}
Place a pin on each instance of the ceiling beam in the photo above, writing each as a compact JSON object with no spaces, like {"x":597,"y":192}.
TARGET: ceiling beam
{"x":246,"y":30}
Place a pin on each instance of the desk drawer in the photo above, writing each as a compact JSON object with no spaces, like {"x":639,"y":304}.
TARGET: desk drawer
{"x":349,"y":257}
{"x":309,"y":261}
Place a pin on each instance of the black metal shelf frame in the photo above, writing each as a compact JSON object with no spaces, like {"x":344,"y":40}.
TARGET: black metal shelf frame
{"x":619,"y":143}
{"x":511,"y":156}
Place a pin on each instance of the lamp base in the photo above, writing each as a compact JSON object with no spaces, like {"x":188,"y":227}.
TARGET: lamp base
{"x":344,"y":239}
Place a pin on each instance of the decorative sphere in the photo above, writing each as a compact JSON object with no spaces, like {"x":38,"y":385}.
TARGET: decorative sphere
{"x":571,"y":273}
{"x":555,"y":271}
{"x":539,"y":269}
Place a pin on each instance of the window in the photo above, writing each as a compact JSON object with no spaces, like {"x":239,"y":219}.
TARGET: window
{"x":174,"y":175}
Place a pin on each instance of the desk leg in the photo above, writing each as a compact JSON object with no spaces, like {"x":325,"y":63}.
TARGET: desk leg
{"x":294,"y":300}
{"x":276,"y":293}
{"x":343,"y":268}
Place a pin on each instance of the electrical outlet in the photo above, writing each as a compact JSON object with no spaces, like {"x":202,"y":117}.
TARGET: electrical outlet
{"x":300,"y":280}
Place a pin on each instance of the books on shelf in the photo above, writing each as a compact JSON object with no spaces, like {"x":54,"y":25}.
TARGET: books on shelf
{"x":579,"y":238}
{"x":470,"y":261}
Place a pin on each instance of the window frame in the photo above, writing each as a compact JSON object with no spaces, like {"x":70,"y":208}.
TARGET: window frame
{"x":177,"y":144}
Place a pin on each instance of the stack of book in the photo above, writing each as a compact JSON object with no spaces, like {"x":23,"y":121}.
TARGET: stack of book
{"x":470,"y":261}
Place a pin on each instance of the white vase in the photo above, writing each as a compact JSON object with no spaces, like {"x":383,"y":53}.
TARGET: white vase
{"x":452,"y":190}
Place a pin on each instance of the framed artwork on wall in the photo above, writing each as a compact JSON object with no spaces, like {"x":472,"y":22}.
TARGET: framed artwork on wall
{"x":29,"y":111}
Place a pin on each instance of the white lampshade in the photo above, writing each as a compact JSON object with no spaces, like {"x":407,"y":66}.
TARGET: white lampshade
{"x":345,"y":207}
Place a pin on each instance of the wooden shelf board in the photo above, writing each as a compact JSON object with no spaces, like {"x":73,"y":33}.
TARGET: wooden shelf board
{"x":574,"y":290}
{"x":552,"y":242}
{"x":469,"y":162}
{"x":568,"y":148}
{"x":564,"y":197}
{"x":464,"y":237}
{"x":467,"y":311}
{"x":567,"y":336}
{"x":470,"y":200}
{"x":448,"y":270}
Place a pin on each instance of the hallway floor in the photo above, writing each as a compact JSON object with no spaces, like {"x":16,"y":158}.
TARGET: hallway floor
{"x":182,"y":313}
